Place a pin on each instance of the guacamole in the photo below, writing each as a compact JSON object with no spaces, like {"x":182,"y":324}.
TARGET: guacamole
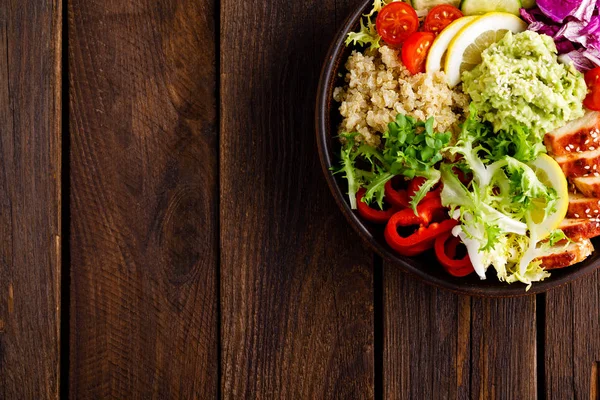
{"x":520,"y":82}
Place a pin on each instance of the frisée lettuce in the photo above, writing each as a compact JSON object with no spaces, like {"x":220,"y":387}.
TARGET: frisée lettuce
{"x":495,"y":207}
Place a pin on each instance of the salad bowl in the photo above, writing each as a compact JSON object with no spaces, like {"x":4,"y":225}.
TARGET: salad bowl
{"x":424,"y":267}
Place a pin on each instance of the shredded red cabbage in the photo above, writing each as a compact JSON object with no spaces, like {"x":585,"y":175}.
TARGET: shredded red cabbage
{"x":573,"y":24}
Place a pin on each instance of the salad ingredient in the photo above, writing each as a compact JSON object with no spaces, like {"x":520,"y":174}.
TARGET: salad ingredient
{"x":372,"y":214}
{"x":423,"y":6}
{"x":438,"y":49}
{"x":520,"y":82}
{"x":446,"y":250}
{"x":561,"y":256}
{"x":397,"y":198}
{"x":517,"y":142}
{"x":475,"y":7}
{"x":418,"y":242}
{"x":549,"y":173}
{"x":414,"y":51}
{"x":559,"y":10}
{"x":396,"y":22}
{"x":580,"y":205}
{"x":410,"y":149}
{"x":426,"y":212}
{"x":378,"y":87}
{"x":582,"y":134}
{"x":592,"y":100}
{"x":580,"y":228}
{"x":367,"y":35}
{"x":464,"y":51}
{"x":495,"y":208}
{"x":574,"y":26}
{"x":579,"y":163}
{"x":588,"y":185}
{"x":415,"y":185}
{"x":528,"y":3}
{"x":440,"y":17}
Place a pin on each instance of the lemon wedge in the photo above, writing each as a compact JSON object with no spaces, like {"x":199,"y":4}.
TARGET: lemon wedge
{"x":549,"y":173}
{"x":437,"y":52}
{"x":464,"y":51}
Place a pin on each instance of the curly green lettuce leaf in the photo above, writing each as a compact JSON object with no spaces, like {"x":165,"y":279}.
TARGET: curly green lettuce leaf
{"x":518,"y":142}
{"x":349,"y":169}
{"x":492,"y":211}
{"x":557,"y":236}
{"x":367,"y":36}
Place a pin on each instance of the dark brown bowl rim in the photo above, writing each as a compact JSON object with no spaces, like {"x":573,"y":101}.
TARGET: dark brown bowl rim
{"x":322,"y":115}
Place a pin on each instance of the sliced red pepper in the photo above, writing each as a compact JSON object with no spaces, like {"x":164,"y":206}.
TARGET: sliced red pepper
{"x":420,"y":240}
{"x":426,"y":211}
{"x":396,"y":197}
{"x":445,"y":250}
{"x":372,"y":214}
{"x":415,"y":250}
{"x":414,"y":186}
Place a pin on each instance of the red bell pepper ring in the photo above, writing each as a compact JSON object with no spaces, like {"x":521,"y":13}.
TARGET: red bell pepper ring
{"x":422,"y":239}
{"x":372,"y":214}
{"x":414,"y":186}
{"x":445,"y":251}
{"x":426,"y":211}
{"x":397,"y":198}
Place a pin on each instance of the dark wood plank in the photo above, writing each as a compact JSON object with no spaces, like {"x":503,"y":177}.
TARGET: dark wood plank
{"x":441,"y":345}
{"x":144,"y":201}
{"x":426,"y":340}
{"x":297,"y":285}
{"x":572,"y":340}
{"x":503,"y":335}
{"x":30,"y":160}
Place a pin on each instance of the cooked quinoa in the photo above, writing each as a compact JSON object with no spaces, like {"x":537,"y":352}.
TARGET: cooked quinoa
{"x":379,"y":87}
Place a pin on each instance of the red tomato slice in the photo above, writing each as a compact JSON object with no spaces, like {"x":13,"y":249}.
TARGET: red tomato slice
{"x":592,"y":79}
{"x":440,"y":17}
{"x":395,"y":22}
{"x":415,"y":49}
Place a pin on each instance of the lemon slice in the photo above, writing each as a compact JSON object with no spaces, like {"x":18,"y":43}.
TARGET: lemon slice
{"x":464,"y":51}
{"x":437,"y":52}
{"x":549,"y":173}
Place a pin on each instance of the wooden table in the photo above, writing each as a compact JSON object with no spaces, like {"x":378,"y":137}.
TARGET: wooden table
{"x":166,"y":231}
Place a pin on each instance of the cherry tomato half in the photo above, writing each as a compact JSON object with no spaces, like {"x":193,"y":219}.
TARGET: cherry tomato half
{"x":395,"y":22}
{"x":415,"y":49}
{"x":592,"y":79}
{"x":440,"y":17}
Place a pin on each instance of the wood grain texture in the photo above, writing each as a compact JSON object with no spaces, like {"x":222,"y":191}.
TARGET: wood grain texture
{"x":426,"y":343}
{"x":297,"y":285}
{"x":572,"y":340}
{"x":503,"y":347}
{"x":30,"y":160}
{"x":144,"y":205}
{"x":439,"y":345}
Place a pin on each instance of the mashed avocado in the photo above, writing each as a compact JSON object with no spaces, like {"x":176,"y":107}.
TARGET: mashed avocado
{"x":520,"y":82}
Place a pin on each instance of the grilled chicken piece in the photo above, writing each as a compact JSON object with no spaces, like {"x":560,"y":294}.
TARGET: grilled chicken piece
{"x":588,"y":185}
{"x":580,"y":163}
{"x":561,"y":256}
{"x":580,"y":228}
{"x":581,"y":134}
{"x":583,"y":207}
